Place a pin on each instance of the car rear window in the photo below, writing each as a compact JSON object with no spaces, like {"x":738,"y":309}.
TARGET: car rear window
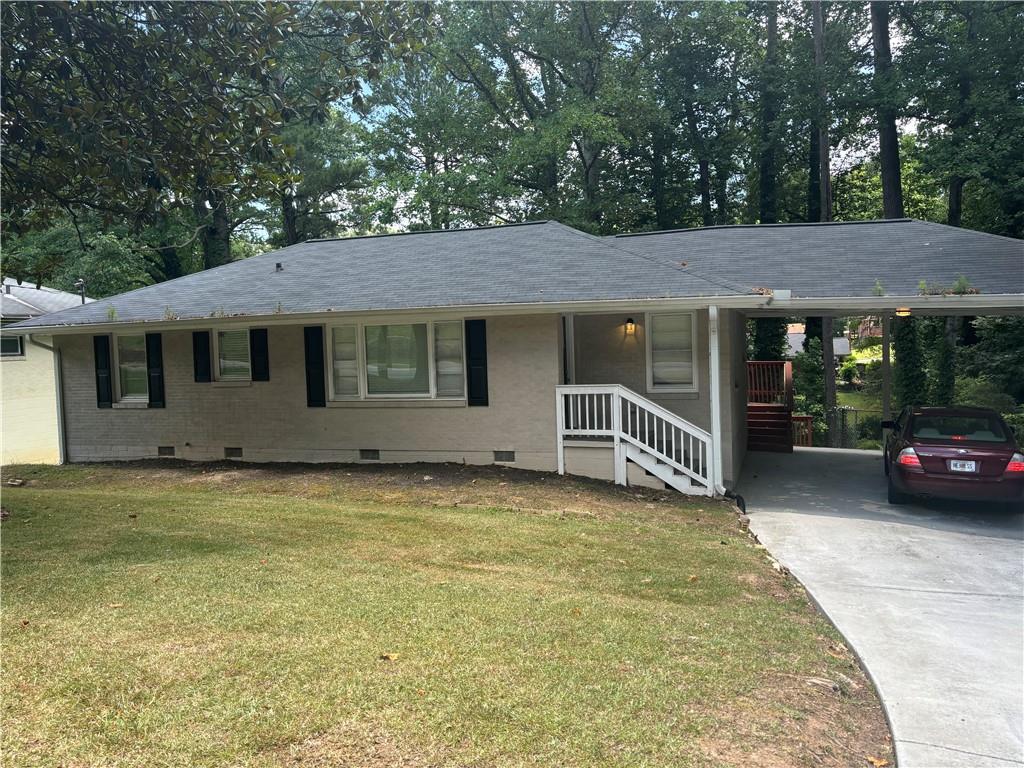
{"x":954,"y":429}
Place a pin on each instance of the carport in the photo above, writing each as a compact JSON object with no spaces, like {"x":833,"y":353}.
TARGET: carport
{"x":931,"y":597}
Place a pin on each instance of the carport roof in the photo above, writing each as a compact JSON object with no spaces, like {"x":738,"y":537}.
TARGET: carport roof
{"x":848,"y":259}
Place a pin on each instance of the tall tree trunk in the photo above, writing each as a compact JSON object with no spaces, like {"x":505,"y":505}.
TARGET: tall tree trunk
{"x":959,"y":125}
{"x":888,"y":137}
{"x":814,"y":174}
{"x":955,"y":202}
{"x":289,"y":218}
{"x":768,"y":208}
{"x":659,"y":190}
{"x":824,"y":162}
{"x":590,"y":153}
{"x":722,"y":193}
{"x":703,"y":166}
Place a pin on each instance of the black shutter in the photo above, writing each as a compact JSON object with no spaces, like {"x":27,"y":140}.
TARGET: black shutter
{"x":259,"y":354}
{"x":476,"y":361}
{"x":104,"y":388}
{"x":201,"y":356}
{"x":155,"y":368}
{"x":316,"y":390}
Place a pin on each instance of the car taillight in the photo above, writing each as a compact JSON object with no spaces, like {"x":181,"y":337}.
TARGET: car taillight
{"x":1016,"y":463}
{"x":908,"y":458}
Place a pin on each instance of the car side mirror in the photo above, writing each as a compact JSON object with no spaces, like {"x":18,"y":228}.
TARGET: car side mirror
{"x":888,"y":424}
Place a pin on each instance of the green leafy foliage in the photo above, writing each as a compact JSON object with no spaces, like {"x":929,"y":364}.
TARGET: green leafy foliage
{"x":769,"y":341}
{"x":910,"y":385}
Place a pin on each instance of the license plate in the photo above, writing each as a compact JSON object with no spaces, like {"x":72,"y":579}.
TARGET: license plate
{"x":962,"y":466}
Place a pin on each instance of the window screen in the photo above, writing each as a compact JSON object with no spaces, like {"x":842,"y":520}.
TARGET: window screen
{"x":448,"y":354}
{"x":345,"y":360}
{"x":396,"y":359}
{"x":671,"y":344}
{"x":132,"y":377}
{"x":233,"y":355}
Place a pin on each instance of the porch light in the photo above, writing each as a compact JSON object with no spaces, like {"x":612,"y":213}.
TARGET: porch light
{"x":902,"y":311}
{"x":630,"y":326}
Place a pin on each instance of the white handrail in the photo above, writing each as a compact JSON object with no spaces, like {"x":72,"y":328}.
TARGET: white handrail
{"x":612,"y":410}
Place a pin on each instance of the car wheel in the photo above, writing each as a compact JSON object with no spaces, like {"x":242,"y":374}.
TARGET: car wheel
{"x":895,"y":496}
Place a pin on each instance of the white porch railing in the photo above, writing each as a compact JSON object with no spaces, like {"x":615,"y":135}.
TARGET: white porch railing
{"x":678,"y":452}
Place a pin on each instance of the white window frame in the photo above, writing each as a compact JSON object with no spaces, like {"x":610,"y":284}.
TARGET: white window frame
{"x":115,"y":360}
{"x":216,"y":353}
{"x":649,"y":364}
{"x":364,"y":393}
{"x":20,"y":354}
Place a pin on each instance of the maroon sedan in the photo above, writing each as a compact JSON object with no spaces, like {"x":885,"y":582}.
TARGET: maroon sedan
{"x":968,"y":454}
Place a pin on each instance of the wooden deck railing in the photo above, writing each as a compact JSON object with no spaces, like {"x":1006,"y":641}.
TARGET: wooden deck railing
{"x":770,"y":381}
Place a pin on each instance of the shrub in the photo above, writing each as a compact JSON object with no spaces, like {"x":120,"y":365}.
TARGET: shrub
{"x":984,"y":393}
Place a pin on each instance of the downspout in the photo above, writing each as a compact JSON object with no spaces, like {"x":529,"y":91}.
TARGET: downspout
{"x":59,"y":386}
{"x":715,"y":385}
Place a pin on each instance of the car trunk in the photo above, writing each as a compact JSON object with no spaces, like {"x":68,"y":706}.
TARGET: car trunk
{"x":990,"y":459}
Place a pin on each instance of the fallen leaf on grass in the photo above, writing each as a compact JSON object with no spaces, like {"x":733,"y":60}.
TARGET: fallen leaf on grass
{"x":878,"y":762}
{"x":115,"y":605}
{"x":24,"y":622}
{"x":693,"y":577}
{"x":388,"y":657}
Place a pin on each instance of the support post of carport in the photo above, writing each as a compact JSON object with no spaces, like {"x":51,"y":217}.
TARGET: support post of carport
{"x":829,"y":368}
{"x":886,"y":371}
{"x":714,"y":385}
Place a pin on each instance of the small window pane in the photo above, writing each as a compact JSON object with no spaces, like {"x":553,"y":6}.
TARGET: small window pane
{"x":672,"y":350}
{"x":451,"y":376}
{"x":396,"y":359}
{"x":131,"y":367}
{"x":10,"y":345}
{"x":346,"y":370}
{"x":233,"y":355}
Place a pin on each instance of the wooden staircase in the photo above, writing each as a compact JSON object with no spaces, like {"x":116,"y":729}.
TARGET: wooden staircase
{"x":640,"y":431}
{"x":770,"y":406}
{"x":769,"y":428}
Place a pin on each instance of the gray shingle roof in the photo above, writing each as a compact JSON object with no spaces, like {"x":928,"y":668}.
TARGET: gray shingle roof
{"x":527,"y":263}
{"x":842,"y":258}
{"x":29,"y":300}
{"x":547,"y":262}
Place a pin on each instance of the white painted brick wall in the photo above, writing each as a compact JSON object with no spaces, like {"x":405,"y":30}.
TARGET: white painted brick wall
{"x":271,"y":422}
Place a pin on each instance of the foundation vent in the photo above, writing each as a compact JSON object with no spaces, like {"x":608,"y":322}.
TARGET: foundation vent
{"x":369,"y":454}
{"x":232,"y":453}
{"x":507,"y":456}
{"x":165,"y":450}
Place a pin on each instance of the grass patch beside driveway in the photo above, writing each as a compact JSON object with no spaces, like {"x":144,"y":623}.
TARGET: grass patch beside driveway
{"x":173,"y":614}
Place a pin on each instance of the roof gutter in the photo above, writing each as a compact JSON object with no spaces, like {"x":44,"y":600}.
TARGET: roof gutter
{"x":747,"y":302}
{"x":978,"y":303}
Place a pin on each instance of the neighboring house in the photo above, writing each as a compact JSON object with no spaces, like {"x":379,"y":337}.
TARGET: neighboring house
{"x":795,"y":342}
{"x":28,"y":376}
{"x":533,"y":345}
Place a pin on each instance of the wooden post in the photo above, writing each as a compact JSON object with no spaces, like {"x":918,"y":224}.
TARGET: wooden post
{"x":828,"y":358}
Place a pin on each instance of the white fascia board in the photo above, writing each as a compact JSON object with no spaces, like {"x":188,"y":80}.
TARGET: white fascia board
{"x":978,"y":303}
{"x":749,"y":303}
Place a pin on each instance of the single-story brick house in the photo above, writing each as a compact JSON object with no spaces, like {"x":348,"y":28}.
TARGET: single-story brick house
{"x":535,"y":345}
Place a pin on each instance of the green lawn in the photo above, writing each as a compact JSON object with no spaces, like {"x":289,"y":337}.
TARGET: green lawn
{"x":174,"y":615}
{"x":864,"y":401}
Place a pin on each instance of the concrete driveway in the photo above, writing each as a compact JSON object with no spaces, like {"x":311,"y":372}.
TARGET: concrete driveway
{"x":931,"y":596}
